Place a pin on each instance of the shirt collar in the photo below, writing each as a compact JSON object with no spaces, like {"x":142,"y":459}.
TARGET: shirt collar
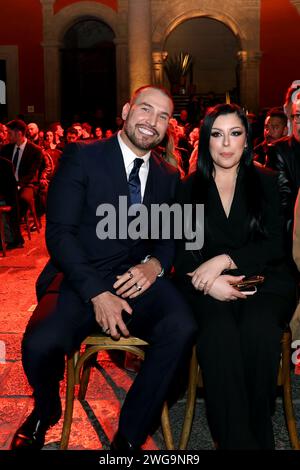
{"x":128,"y":155}
{"x":22,"y":146}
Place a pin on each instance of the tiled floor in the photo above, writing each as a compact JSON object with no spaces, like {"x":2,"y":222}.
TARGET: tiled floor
{"x":95,"y":422}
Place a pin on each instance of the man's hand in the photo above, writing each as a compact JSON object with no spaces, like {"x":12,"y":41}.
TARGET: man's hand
{"x":137,"y":279}
{"x":108,"y":312}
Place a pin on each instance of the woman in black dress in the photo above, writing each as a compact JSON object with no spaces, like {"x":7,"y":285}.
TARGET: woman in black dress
{"x":238,"y":344}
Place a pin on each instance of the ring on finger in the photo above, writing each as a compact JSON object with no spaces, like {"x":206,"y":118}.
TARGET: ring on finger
{"x":130,"y":274}
{"x":138,"y":287}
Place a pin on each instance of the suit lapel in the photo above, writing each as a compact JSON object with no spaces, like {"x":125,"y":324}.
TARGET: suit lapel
{"x":153,"y":179}
{"x":116,"y":168}
{"x":117,"y":172}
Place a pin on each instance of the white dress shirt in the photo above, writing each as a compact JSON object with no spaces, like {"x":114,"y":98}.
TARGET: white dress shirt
{"x":128,"y":157}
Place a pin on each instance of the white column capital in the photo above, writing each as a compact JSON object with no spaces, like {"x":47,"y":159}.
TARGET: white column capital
{"x":159,"y":57}
{"x":249,"y":61}
{"x":249,"y":57}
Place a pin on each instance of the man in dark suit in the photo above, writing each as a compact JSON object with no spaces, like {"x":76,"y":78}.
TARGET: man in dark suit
{"x":284,"y":157}
{"x":109,"y":279}
{"x":275,"y":127}
{"x":9,"y":194}
{"x":26,"y":158}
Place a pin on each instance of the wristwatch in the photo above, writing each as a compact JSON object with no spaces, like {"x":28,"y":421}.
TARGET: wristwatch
{"x":162,"y":272}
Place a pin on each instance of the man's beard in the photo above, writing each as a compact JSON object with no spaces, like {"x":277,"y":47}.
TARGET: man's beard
{"x":139,"y":142}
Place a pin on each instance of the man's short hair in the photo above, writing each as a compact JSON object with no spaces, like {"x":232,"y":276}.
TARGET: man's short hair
{"x":53,"y":126}
{"x":72,"y":130}
{"x":17,"y":125}
{"x":87,"y":127}
{"x":154,"y":87}
{"x":297,"y":97}
{"x":277,"y":112}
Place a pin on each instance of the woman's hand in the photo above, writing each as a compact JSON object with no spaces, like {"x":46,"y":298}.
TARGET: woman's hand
{"x":224,"y":291}
{"x":205,"y":275}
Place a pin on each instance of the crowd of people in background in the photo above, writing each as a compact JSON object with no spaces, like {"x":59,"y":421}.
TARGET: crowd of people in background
{"x":249,"y":198}
{"x":272,"y":129}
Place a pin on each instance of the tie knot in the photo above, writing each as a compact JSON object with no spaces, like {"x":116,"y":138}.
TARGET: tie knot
{"x":138,"y":163}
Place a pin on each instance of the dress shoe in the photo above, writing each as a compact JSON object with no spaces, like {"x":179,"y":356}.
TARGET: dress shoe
{"x":121,"y":444}
{"x":31,"y":434}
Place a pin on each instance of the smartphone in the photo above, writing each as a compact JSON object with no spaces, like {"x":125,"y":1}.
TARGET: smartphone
{"x":249,"y":281}
{"x":248,"y":290}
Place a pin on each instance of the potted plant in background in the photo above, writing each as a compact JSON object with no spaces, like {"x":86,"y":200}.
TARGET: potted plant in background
{"x":177,"y":68}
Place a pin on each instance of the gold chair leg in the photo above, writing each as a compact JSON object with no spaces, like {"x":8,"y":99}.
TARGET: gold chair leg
{"x":2,"y":236}
{"x":26,"y":218}
{"x":190,"y":404}
{"x":34,"y":216}
{"x":85,"y":376}
{"x":69,"y":403}
{"x":287,"y":391}
{"x":166,"y":427}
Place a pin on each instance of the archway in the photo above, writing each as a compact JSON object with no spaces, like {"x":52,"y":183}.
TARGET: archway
{"x":241,"y":18}
{"x":88,"y":73}
{"x":9,"y":76}
{"x":55,"y":26}
{"x":214,"y":48}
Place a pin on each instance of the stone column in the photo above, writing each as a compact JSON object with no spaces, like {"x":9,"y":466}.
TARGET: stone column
{"x":158,"y":59}
{"x":51,"y":64}
{"x":139,"y":43}
{"x":52,"y":85}
{"x":123,"y":93}
{"x":249,"y":62}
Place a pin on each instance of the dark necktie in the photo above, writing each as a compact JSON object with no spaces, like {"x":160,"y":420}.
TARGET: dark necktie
{"x":134,"y":182}
{"x":16,"y":158}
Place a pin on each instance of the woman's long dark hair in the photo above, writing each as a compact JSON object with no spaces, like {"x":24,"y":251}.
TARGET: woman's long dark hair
{"x":205,"y":171}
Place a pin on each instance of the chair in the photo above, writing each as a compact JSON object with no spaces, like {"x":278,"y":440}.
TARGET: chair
{"x":8,"y":195}
{"x":78,"y":373}
{"x":3,"y":210}
{"x":31,"y":210}
{"x":284,"y":380}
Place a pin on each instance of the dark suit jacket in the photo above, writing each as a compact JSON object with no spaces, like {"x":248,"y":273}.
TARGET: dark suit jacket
{"x":90,"y":175}
{"x":8,"y":185}
{"x":260,"y":153}
{"x":265,"y":255}
{"x":30,"y":163}
{"x":284,"y":157}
